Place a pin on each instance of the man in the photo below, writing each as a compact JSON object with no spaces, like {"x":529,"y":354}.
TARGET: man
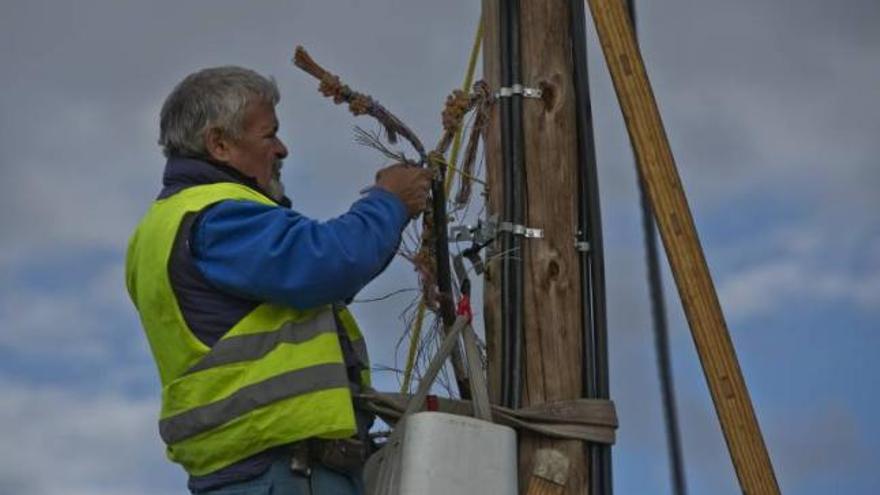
{"x":241,"y":298}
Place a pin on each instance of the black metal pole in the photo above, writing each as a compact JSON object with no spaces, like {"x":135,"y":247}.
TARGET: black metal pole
{"x":661,"y":331}
{"x":592,"y":272}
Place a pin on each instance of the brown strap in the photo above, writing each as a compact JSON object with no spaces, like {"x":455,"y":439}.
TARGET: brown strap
{"x":591,"y":420}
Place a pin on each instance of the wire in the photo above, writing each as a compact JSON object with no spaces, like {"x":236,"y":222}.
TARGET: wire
{"x":661,"y":332}
{"x":513,"y":207}
{"x":592,"y":262}
{"x":456,"y":146}
{"x":384,"y":297}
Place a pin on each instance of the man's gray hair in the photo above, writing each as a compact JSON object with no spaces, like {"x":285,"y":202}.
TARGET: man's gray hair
{"x":210,"y":98}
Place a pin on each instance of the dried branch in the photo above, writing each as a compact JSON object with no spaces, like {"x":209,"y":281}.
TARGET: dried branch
{"x":458,"y":104}
{"x":358,"y":103}
{"x":481,"y":120}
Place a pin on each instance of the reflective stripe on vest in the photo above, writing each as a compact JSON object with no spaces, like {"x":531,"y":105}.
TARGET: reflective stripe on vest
{"x":291,"y":384}
{"x":254,"y":346}
{"x":278,"y":376}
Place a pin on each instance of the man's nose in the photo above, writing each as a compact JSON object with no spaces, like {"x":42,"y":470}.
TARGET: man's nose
{"x":281,"y":152}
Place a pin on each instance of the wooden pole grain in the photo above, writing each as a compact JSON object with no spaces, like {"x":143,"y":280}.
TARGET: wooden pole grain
{"x":552,"y":367}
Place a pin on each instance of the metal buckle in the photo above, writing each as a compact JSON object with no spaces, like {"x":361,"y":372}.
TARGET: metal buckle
{"x":300,"y":459}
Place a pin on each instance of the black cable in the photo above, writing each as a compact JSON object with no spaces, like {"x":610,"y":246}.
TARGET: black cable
{"x":518,"y":218}
{"x":444,"y":273}
{"x":511,"y":261}
{"x":592,"y":272}
{"x":661,"y":341}
{"x":661,"y":332}
{"x":506,"y":207}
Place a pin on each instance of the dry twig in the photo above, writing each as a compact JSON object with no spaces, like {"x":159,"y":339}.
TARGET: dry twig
{"x":481,"y":119}
{"x":358,"y":103}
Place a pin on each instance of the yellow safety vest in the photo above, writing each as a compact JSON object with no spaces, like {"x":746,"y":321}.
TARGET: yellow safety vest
{"x":278,"y":376}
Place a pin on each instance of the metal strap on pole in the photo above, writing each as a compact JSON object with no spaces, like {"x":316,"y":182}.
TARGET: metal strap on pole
{"x":518,"y":89}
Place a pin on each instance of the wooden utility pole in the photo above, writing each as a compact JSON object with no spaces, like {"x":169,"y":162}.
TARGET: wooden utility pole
{"x":552,"y":368}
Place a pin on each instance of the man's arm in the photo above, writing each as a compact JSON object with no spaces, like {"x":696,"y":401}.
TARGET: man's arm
{"x":277,"y":255}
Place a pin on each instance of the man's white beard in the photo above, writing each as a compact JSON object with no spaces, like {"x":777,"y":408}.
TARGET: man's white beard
{"x":276,"y":188}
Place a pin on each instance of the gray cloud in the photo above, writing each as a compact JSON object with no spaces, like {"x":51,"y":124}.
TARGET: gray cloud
{"x":766,"y":103}
{"x":93,"y":444}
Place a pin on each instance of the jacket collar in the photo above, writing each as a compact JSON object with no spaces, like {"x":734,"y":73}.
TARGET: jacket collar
{"x":181,"y":173}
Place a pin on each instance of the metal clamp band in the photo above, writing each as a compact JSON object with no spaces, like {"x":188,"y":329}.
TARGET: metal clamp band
{"x":522,"y":230}
{"x":518,"y":89}
{"x":485,"y":231}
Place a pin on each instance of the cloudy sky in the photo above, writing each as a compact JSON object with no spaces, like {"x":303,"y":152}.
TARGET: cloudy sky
{"x":772,"y":109}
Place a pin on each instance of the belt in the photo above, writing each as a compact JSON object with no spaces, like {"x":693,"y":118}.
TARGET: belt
{"x":345,"y":455}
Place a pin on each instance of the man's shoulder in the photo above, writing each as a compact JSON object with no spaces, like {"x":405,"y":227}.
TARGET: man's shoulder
{"x":218,"y":191}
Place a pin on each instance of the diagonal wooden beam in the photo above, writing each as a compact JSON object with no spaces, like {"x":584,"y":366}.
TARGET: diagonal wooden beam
{"x":659,"y":174}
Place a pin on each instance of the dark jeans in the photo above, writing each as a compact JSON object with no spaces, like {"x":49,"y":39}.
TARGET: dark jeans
{"x":280,"y":480}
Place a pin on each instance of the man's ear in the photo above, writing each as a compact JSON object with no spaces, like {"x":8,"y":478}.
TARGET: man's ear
{"x":217,"y":145}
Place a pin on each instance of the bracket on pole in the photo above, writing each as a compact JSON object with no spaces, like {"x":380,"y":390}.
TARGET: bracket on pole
{"x":515,"y":229}
{"x":518,"y":89}
{"x":580,"y":242}
{"x":482,"y":233}
{"x":485,"y":232}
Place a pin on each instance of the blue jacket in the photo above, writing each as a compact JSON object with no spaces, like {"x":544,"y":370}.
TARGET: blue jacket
{"x":234,"y":255}
{"x":278,"y":255}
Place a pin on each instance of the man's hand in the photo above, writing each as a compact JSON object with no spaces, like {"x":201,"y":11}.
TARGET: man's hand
{"x":409,"y":183}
